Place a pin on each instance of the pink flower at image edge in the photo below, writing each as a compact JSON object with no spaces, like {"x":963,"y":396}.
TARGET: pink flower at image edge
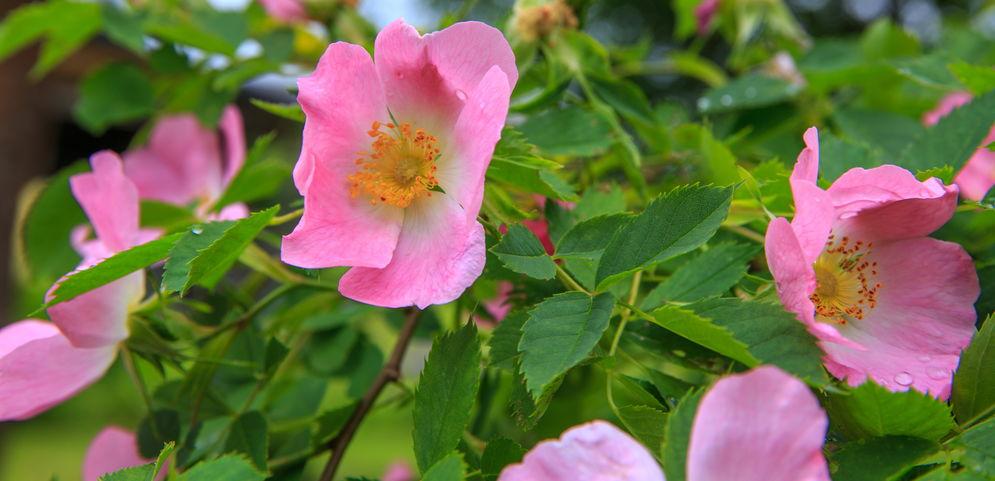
{"x":290,"y":11}
{"x":857,"y":268}
{"x":369,"y":186}
{"x":977,"y":176}
{"x":113,"y":449}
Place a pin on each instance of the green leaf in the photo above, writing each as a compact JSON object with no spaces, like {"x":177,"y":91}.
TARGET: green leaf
{"x":504,"y":341}
{"x":974,"y":381}
{"x":977,"y":78}
{"x":287,"y":111}
{"x":869,"y":411}
{"x":185,"y":31}
{"x":561,"y":331}
{"x":978,"y":444}
{"x":517,"y":163}
{"x":248,"y":436}
{"x":954,"y":138}
{"x":526,"y":408}
{"x":676,"y":222}
{"x":571,"y":131}
{"x":589,"y":238}
{"x":750,"y":332}
{"x":124,"y":27}
{"x":877,"y":459}
{"x":677,"y":435}
{"x":145,"y":472}
{"x":48,"y":224}
{"x":646,"y":423}
{"x":708,"y":274}
{"x":167,"y":216}
{"x":887,"y":131}
{"x":231,"y":467}
{"x":113,"y":268}
{"x":328,"y":424}
{"x":840,"y":155}
{"x":206,"y":252}
{"x":522,"y":252}
{"x":449,"y":468}
{"x":625,"y":97}
{"x":114,"y":94}
{"x":446,"y":392}
{"x":746,"y":92}
{"x":259,"y":179}
{"x":159,"y":428}
{"x":497,"y":454}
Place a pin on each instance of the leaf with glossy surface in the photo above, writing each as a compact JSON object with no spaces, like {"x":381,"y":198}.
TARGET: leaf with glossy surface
{"x":560,"y":332}
{"x":446,"y":392}
{"x":676,"y":222}
{"x":522,"y":252}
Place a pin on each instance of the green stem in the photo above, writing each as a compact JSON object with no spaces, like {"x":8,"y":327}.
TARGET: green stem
{"x":569,"y":281}
{"x":283,"y":219}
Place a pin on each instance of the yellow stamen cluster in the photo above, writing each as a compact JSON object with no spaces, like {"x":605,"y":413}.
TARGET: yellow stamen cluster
{"x":846,"y":286}
{"x":399,"y":168}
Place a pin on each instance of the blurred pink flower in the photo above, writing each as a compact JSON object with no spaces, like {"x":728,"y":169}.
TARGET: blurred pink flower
{"x":596,"y":451}
{"x":43,"y":364}
{"x":763,"y":425}
{"x":978,"y":174}
{"x":704,"y":13}
{"x":399,"y":471}
{"x":855,"y":264}
{"x":399,"y":203}
{"x":112,"y":450}
{"x":185,"y":163}
{"x":289,"y":11}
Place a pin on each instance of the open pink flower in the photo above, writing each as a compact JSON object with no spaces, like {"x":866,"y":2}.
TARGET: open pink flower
{"x":855,"y":264}
{"x":763,"y":425}
{"x":978,"y":174}
{"x":43,"y":364}
{"x":393,"y":160}
{"x":596,"y":451}
{"x":289,"y":11}
{"x":112,"y":450}
{"x":186,"y":164}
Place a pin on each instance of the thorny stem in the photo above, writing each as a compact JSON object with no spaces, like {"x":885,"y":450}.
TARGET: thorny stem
{"x":391,"y":372}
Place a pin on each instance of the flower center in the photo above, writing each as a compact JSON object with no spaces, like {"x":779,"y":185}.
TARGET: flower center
{"x":399,"y":168}
{"x":845,"y":280}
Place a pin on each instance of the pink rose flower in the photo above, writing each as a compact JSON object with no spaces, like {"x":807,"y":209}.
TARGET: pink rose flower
{"x":185,"y":163}
{"x":763,"y":425}
{"x":704,"y":13}
{"x":112,"y":450}
{"x":978,"y":174}
{"x":398,"y":202}
{"x":856,"y":266}
{"x":43,"y":364}
{"x":289,"y":11}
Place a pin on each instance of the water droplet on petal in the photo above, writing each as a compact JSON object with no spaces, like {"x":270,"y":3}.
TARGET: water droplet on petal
{"x":937,"y":373}
{"x":198,"y":230}
{"x":703,"y":104}
{"x":461,"y":95}
{"x":726,"y":100}
{"x":924,"y":358}
{"x":903,"y":379}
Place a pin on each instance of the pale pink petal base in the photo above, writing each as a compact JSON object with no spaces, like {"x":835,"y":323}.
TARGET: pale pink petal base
{"x":100,"y":317}
{"x":112,"y":450}
{"x":596,"y":451}
{"x":439,"y":254}
{"x":39,"y":368}
{"x":760,"y":426}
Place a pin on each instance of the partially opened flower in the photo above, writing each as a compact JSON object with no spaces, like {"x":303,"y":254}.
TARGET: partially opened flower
{"x":596,"y":451}
{"x":763,"y":425}
{"x":856,"y":266}
{"x":187,"y":164}
{"x":43,"y":364}
{"x":393,"y":160}
{"x":112,"y":450}
{"x":978,"y":174}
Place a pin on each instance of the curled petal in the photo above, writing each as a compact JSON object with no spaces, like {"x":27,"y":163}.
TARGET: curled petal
{"x":596,"y":451}
{"x":760,"y":426}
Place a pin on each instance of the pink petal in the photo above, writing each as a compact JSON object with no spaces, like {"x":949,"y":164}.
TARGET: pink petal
{"x":763,"y":425}
{"x":498,"y":307}
{"x":233,"y":133}
{"x":39,"y":370}
{"x":946,"y":105}
{"x":181,"y":164}
{"x":100,"y":317}
{"x":285,"y":10}
{"x":109,"y":200}
{"x":341,"y":99}
{"x":877,"y":214}
{"x":112,"y":450}
{"x":807,"y":165}
{"x":703,"y":14}
{"x":439,"y":254}
{"x":978,"y":175}
{"x":813,"y":206}
{"x":478,"y":129}
{"x":924,"y":318}
{"x":427,"y":79}
{"x":399,"y":471}
{"x":596,"y":451}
